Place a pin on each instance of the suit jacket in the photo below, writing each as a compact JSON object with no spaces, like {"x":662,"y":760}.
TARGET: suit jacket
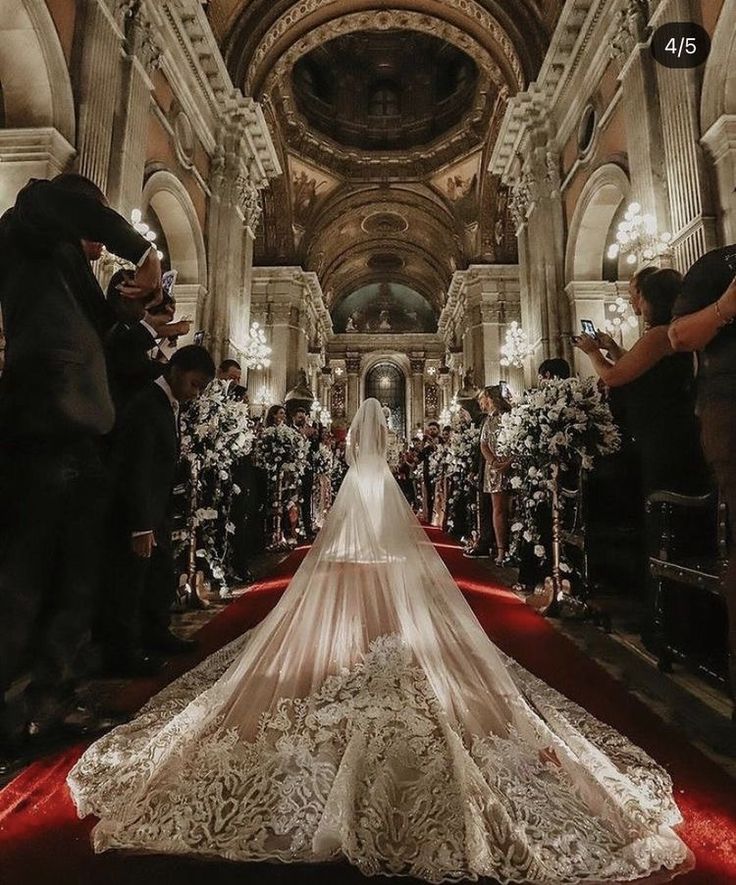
{"x":55,"y":314}
{"x":146,"y":460}
{"x":129,"y":367}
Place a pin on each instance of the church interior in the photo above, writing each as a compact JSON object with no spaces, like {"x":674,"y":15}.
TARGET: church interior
{"x":429,"y":203}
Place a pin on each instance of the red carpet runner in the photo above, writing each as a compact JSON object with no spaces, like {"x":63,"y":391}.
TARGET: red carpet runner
{"x":43,"y":843}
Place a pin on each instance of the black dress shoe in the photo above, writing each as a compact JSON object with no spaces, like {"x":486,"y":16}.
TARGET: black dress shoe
{"x":171,"y":644}
{"x":133,"y":663}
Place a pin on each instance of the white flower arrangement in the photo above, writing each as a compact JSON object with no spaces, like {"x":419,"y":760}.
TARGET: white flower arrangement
{"x":464,"y":450}
{"x":216,"y":433}
{"x":323,"y":460}
{"x":562,"y":425}
{"x":282,"y":452}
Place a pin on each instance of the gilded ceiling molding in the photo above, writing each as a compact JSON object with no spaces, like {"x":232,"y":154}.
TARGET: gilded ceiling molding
{"x":382,"y":19}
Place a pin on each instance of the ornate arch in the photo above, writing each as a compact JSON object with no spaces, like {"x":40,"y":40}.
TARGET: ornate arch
{"x":36,"y":84}
{"x":295,"y":32}
{"x":587,"y":240}
{"x":401,"y":362}
{"x":173,"y":206}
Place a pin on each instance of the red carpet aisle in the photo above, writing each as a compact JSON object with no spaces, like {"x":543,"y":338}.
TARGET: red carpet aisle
{"x":43,"y":843}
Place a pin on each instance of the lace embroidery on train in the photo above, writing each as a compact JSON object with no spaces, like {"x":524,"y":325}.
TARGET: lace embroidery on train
{"x":369,"y":768}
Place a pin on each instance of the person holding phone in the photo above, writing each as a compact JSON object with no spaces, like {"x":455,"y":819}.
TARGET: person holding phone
{"x":658,"y":389}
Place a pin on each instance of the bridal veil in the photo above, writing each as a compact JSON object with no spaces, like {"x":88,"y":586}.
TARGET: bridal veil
{"x":368,"y":716}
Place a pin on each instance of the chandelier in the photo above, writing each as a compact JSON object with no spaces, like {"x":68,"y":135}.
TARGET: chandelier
{"x":517,"y":347}
{"x":637,"y":237}
{"x":136,"y":219}
{"x":113,"y":263}
{"x":620,"y":316}
{"x":257,"y":354}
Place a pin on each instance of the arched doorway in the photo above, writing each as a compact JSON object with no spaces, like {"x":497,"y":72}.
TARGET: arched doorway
{"x":386,"y":382}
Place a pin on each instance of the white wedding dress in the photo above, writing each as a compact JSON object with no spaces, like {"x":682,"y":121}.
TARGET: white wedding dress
{"x":370,"y":717}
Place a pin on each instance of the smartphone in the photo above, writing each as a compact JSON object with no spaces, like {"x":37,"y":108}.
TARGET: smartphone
{"x":168,"y":279}
{"x":588,"y":328}
{"x":199,"y":338}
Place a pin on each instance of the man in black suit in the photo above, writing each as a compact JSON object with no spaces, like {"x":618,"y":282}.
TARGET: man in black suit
{"x":146,"y":460}
{"x":55,"y":408}
{"x":133,"y":339}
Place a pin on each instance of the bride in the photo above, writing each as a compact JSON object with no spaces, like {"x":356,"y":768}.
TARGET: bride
{"x":370,"y":717}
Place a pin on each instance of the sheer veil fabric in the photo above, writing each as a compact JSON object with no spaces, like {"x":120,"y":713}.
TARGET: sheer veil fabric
{"x":368,"y":716}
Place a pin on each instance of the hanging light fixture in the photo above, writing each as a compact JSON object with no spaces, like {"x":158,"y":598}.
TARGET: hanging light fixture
{"x":637,"y":237}
{"x":136,"y":219}
{"x":257,"y":353}
{"x":517,"y":347}
{"x":619,"y":316}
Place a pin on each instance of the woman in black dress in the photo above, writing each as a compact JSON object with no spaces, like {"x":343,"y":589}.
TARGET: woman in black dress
{"x":657,"y":389}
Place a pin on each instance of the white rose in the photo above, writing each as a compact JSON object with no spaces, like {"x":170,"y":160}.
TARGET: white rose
{"x":539,"y":551}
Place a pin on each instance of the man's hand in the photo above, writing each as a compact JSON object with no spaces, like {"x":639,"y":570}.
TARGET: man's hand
{"x":148,"y":276}
{"x":142,"y":545}
{"x":164,"y":328}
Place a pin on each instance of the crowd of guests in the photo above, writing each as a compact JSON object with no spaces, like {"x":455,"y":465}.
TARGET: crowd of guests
{"x":90,"y":394}
{"x":91,"y":391}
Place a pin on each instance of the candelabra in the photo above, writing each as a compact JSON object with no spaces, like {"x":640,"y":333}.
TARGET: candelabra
{"x":637,"y":237}
{"x":516,"y":348}
{"x":257,"y":353}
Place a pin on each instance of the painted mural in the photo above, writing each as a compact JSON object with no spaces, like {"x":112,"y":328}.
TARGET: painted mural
{"x":382,"y":308}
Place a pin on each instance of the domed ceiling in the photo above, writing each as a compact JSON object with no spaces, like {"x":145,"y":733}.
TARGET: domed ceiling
{"x":384,"y":90}
{"x":385,"y":119}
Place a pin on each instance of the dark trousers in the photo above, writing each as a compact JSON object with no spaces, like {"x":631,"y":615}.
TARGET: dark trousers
{"x":306,"y":506}
{"x":485,"y":503}
{"x":54,"y":496}
{"x":718,"y":423}
{"x":138,"y":609}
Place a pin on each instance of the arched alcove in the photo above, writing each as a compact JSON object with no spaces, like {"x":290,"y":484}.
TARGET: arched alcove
{"x":590,"y":227}
{"x":37,"y":91}
{"x":174,"y":209}
{"x":589,"y":287}
{"x":387,"y":383}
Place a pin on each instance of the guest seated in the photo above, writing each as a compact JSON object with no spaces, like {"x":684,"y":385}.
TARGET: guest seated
{"x":146,"y":458}
{"x":658,"y":388}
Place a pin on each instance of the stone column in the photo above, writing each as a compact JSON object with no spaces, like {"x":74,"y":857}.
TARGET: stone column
{"x":99,"y":88}
{"x":417,"y":363}
{"x":492,"y":299}
{"x":720,"y":143}
{"x":352,"y":367}
{"x":693,"y":221}
{"x":286,"y":300}
{"x":640,"y":97}
{"x":130,"y":130}
{"x":233,"y":218}
{"x":29,"y":153}
{"x":537,"y":210}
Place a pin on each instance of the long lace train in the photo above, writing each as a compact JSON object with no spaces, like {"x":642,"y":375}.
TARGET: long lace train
{"x":369,"y":716}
